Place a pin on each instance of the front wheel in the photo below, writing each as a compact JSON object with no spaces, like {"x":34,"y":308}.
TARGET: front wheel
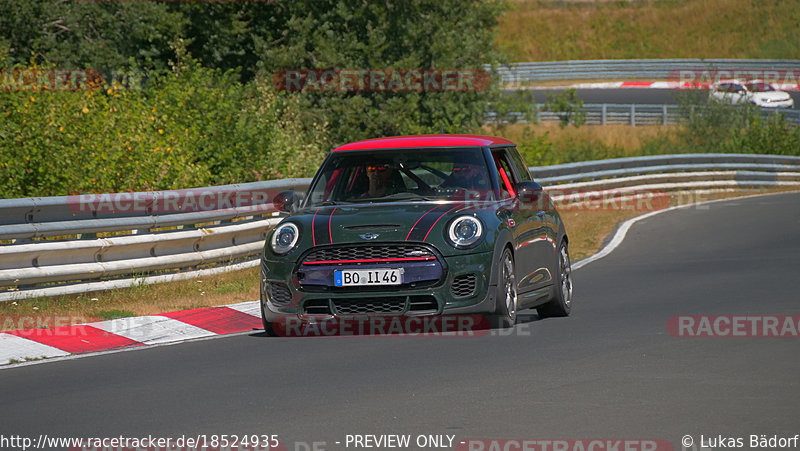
{"x":561,"y":305}
{"x":268,"y":329}
{"x":506,"y":298}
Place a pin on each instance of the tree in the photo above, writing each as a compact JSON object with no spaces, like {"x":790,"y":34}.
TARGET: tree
{"x":98,"y":35}
{"x":388,"y":34}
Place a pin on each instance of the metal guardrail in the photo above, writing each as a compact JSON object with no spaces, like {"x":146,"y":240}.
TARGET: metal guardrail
{"x":650,"y":69}
{"x":48,"y":252}
{"x":633,"y":114}
{"x":148,"y":237}
{"x":600,"y":169}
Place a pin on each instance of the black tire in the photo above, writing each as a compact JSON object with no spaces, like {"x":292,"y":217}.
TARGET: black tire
{"x":506,"y":297}
{"x":561,"y":304}
{"x":268,"y":329}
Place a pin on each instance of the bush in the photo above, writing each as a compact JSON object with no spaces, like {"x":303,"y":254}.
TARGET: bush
{"x":188,"y":127}
{"x":720,"y":127}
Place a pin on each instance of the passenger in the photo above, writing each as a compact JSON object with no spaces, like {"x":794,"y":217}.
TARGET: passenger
{"x":466,"y":175}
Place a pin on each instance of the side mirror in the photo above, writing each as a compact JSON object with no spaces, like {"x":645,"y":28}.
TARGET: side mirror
{"x":286,"y":201}
{"x":528,"y":192}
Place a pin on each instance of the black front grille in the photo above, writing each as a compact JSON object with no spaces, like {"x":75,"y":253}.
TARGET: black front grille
{"x":381,"y":306}
{"x":373,"y":252}
{"x":317,"y":307}
{"x":463,"y":285}
{"x":386,"y":305}
{"x":421,"y":305}
{"x":279,"y":294}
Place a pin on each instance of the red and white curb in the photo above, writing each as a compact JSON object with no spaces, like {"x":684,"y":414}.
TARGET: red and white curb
{"x":21,"y":346}
{"x":650,"y":85}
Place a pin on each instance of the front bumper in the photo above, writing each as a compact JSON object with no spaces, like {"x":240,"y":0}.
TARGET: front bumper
{"x":782,"y":104}
{"x":283,"y":294}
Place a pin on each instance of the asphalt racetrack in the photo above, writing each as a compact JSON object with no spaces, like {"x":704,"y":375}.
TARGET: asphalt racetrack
{"x":629,"y":95}
{"x":611,"y":370}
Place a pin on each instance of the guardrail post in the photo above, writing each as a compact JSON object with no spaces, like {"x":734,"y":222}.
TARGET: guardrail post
{"x":633,"y":115}
{"x":664,"y":114}
{"x":603,"y":115}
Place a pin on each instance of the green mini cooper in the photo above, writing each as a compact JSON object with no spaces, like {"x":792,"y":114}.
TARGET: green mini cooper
{"x":417,"y":226}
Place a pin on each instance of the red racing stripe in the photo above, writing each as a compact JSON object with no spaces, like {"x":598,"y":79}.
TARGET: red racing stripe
{"x":76,"y":338}
{"x":369,"y":260}
{"x":220,"y":320}
{"x":314,"y":229}
{"x":420,"y":219}
{"x":330,"y":220}
{"x":440,"y":217}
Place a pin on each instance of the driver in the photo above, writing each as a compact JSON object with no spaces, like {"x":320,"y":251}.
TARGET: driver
{"x":382,"y":180}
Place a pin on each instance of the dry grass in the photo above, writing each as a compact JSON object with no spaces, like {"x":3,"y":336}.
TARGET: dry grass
{"x":236,"y":286}
{"x":630,"y":139}
{"x":552,"y":31}
{"x":587,"y":230}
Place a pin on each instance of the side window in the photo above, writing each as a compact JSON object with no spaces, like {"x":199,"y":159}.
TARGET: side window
{"x":505,"y":175}
{"x":410,"y":183}
{"x":516,"y":159}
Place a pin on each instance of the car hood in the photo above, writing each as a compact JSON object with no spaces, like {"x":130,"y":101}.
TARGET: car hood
{"x":389,"y":222}
{"x":360,"y":223}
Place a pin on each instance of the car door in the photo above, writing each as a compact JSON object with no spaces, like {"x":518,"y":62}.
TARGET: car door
{"x":720,"y":91}
{"x":738,"y":93}
{"x":545,"y":210}
{"x":532,"y":252}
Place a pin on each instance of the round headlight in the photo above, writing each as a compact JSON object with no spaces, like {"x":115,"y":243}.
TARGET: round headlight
{"x":464,"y":231}
{"x":284,"y":238}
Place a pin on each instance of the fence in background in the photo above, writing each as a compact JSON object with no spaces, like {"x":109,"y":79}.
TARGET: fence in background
{"x":649,"y":69}
{"x":51,"y":248}
{"x":632,"y":114}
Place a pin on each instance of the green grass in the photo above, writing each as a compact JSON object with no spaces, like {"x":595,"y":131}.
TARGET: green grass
{"x":554,"y":31}
{"x":26,"y":359}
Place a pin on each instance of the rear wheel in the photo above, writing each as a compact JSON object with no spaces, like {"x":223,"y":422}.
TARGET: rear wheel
{"x":506,"y":298}
{"x":561,"y":305}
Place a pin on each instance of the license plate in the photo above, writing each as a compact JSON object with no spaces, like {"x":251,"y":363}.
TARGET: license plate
{"x":358,"y":277}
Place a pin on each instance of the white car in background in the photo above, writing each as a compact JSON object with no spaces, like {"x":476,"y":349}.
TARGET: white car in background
{"x":757,"y":92}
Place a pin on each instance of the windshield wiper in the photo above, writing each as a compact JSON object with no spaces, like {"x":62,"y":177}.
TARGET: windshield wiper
{"x":329,"y":203}
{"x":409,"y":196}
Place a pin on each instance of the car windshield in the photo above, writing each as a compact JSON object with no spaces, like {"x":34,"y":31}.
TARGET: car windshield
{"x":759,"y":86}
{"x":401,"y":175}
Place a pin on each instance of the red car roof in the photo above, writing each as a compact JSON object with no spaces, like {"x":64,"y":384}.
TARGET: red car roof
{"x":404,"y":142}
